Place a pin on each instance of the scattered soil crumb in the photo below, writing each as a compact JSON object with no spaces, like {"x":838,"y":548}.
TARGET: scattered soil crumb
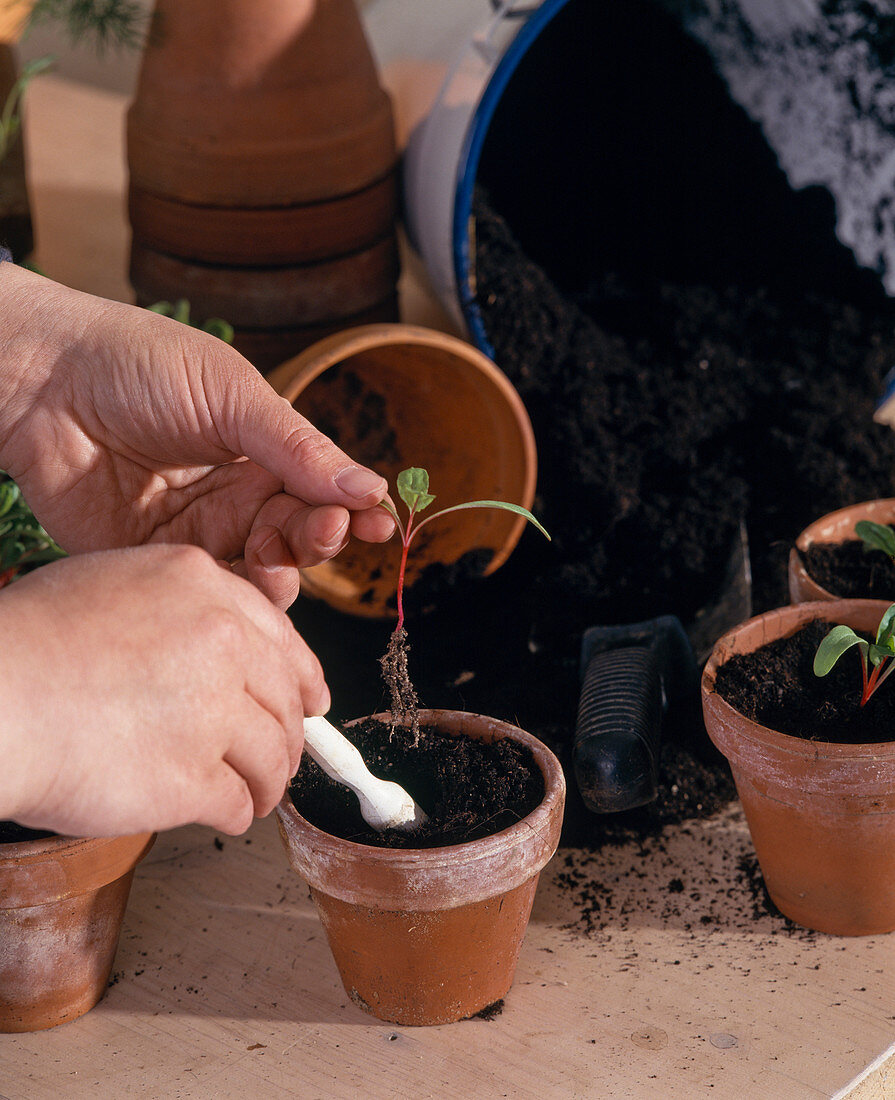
{"x":489,"y":1012}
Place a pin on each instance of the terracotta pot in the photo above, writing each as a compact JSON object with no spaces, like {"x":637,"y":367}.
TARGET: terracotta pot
{"x":394,"y":396}
{"x":430,"y":936}
{"x":265,"y":236}
{"x":255,"y":103}
{"x":821,"y":815}
{"x":62,"y":901}
{"x":834,"y":527}
{"x":270,"y":297}
{"x":13,"y":16}
{"x":267,"y":348}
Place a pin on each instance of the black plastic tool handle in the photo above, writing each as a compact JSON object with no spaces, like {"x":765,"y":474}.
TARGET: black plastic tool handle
{"x":618,"y":733}
{"x":628,"y":674}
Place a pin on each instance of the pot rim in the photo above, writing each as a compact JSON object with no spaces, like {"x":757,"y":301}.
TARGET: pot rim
{"x":554,"y":790}
{"x":778,"y":623}
{"x":832,"y":527}
{"x":464,"y":366}
{"x":863,"y":509}
{"x":33,"y":872}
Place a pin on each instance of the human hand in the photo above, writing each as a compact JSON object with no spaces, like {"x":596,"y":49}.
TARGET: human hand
{"x":123,"y":427}
{"x":147,"y":688}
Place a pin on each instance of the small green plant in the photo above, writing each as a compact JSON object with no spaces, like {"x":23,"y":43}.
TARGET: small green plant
{"x":180,"y":311}
{"x":118,"y":23}
{"x":876,"y":657}
{"x":413,"y":489}
{"x":11,"y":113}
{"x":22,"y":539}
{"x":876,"y":536}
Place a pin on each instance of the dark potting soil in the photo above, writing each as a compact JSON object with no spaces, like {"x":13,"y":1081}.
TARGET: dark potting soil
{"x":468,"y":789}
{"x":693,"y":346}
{"x":11,"y":833}
{"x":849,"y":568}
{"x":776,"y":686}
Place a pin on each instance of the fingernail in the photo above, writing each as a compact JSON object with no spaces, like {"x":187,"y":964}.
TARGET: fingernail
{"x":335,"y":543}
{"x":357,"y":482}
{"x":273,"y":552}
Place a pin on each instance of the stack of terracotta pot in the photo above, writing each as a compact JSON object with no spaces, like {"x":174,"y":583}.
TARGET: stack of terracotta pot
{"x":262,"y":165}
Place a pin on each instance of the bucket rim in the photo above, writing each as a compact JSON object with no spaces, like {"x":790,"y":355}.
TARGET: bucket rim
{"x":471,"y":152}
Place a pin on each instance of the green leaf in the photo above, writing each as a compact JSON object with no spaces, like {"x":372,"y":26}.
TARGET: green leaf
{"x":885,"y":632}
{"x":502,"y":504}
{"x":413,"y":488}
{"x":216,"y":327}
{"x":840,"y":639}
{"x":876,"y":536}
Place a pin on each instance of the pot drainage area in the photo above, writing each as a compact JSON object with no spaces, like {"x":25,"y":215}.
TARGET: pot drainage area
{"x":695,"y":347}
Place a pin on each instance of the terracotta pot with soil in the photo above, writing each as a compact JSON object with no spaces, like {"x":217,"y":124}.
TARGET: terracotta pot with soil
{"x":394,"y":396}
{"x":430,"y":934}
{"x":815,"y":771}
{"x":829,"y":561}
{"x":62,"y":901}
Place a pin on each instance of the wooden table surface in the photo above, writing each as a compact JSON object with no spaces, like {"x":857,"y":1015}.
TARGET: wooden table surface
{"x":651,"y":969}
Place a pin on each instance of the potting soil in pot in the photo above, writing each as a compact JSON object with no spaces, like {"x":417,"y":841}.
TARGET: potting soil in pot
{"x":468,"y":789}
{"x":776,"y":686}
{"x":850,"y":569}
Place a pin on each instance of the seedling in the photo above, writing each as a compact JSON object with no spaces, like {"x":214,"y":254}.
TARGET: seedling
{"x":180,"y":311}
{"x":876,"y":536}
{"x":11,"y":111}
{"x":116,"y":22}
{"x":876,"y":657}
{"x":22,"y":539}
{"x":413,"y":489}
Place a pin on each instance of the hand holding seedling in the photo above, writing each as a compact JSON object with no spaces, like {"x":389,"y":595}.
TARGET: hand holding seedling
{"x":124,"y":427}
{"x":876,"y":657}
{"x":413,"y":489}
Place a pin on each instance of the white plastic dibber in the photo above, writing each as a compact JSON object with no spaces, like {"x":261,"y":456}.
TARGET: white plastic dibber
{"x":383,"y":804}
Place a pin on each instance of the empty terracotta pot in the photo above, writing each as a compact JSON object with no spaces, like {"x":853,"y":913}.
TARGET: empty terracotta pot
{"x":62,"y":901}
{"x":269,"y":235}
{"x":269,"y":297}
{"x":821,"y":815}
{"x":268,"y":348}
{"x":395,"y":396}
{"x":838,"y":526}
{"x":258,"y":103}
{"x":430,"y":936}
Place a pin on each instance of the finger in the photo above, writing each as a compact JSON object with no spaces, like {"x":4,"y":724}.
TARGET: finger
{"x":269,"y":431}
{"x":229,"y":806}
{"x":372,"y":525}
{"x":259,"y":754}
{"x":270,"y":566}
{"x":311,"y":534}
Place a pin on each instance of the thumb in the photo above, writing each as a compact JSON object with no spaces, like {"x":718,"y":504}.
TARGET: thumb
{"x":270,"y":432}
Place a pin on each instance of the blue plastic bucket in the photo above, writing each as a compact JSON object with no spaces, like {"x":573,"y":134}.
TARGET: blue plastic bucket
{"x":444,"y":151}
